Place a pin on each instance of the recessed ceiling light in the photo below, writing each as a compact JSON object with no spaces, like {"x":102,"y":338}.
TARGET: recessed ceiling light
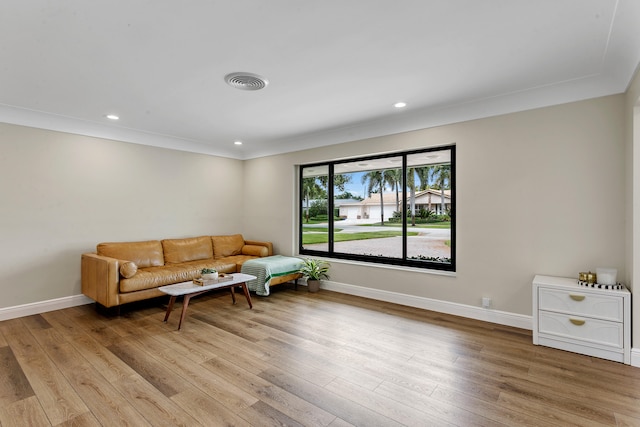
{"x":112,"y":117}
{"x":237,"y":142}
{"x":400,"y":104}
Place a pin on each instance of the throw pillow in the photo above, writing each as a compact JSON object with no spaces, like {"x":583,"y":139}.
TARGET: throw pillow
{"x":255,"y":250}
{"x":128,"y":269}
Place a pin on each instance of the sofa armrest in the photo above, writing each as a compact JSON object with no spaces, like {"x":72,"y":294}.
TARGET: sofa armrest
{"x":101,"y":279}
{"x":268,"y":245}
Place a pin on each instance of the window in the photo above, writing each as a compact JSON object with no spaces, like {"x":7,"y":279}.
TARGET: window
{"x":392,"y":209}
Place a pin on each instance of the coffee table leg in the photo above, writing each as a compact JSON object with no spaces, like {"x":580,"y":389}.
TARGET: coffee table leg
{"x":233,"y":293}
{"x":185,"y":304}
{"x":169,"y":308}
{"x":245,"y":289}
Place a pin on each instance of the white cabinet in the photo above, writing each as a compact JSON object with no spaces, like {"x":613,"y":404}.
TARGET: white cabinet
{"x":585,"y":320}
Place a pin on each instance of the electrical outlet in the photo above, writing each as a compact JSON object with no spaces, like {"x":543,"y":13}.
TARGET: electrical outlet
{"x":486,"y":302}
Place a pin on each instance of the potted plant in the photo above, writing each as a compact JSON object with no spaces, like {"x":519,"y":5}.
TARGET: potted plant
{"x":209,"y":273}
{"x":314,"y":270}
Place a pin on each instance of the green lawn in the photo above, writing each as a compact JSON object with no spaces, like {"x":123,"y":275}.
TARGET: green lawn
{"x":320,"y":229}
{"x":308,"y":239}
{"x":313,"y":221}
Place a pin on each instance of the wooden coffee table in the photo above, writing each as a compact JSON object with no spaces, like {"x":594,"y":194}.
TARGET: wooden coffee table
{"x":190,"y":290}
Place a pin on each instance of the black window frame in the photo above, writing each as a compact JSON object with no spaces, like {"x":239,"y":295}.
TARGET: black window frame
{"x":404,"y":261}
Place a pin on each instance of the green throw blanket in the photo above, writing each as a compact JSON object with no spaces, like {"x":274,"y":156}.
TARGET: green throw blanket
{"x":268,"y":268}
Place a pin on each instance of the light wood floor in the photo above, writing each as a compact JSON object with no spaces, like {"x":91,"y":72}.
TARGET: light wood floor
{"x":297,"y":358}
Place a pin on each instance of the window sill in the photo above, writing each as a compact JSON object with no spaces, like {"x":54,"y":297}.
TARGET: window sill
{"x":383,"y":266}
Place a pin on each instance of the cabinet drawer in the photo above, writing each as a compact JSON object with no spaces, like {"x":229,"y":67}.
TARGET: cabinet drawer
{"x":585,"y":329}
{"x":607,"y":307}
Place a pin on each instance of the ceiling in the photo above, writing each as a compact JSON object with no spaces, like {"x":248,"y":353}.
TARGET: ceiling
{"x":335,"y":67}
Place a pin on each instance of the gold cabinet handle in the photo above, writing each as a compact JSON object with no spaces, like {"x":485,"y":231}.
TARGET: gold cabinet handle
{"x":577,"y":322}
{"x":576,"y":297}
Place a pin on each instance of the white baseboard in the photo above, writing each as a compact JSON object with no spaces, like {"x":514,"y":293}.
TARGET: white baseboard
{"x":478,"y":313}
{"x":43,"y":306}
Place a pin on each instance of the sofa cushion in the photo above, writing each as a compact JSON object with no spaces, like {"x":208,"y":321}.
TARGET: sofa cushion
{"x":224,"y":246}
{"x":255,"y":250}
{"x":144,"y":254}
{"x":191,"y":249}
{"x":128,"y":269}
{"x":221,"y":265}
{"x":152,"y":277}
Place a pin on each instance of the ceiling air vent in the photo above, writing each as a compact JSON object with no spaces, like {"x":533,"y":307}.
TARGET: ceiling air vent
{"x":246,"y":81}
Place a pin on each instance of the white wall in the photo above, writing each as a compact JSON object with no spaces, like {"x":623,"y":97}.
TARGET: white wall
{"x":632,"y":209}
{"x":61,"y":194}
{"x":556,"y":174}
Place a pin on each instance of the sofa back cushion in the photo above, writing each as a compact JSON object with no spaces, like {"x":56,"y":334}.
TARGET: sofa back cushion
{"x":227,"y":245}
{"x":255,"y":250}
{"x":143,"y":254}
{"x":191,"y":249}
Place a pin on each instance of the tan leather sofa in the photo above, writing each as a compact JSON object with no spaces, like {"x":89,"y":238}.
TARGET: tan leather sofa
{"x":122,"y":272}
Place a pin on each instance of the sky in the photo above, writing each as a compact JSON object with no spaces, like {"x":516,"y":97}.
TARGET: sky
{"x":356,"y":187}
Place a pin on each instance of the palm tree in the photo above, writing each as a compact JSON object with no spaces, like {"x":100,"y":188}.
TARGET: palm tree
{"x":375,"y":180}
{"x":411,"y":183}
{"x":442,"y":177}
{"x":310,"y":190}
{"x":423,"y":174}
{"x":339,"y":181}
{"x":393,"y":177}
{"x":431,"y":172}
